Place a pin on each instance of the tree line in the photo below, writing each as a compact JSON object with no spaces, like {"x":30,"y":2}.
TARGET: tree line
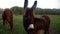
{"x":19,"y":11}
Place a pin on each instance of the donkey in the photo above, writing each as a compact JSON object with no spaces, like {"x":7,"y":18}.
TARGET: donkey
{"x":33,"y":24}
{"x":7,"y":17}
{"x":28,"y":16}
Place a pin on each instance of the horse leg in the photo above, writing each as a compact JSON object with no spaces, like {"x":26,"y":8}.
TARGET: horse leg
{"x":4,"y":22}
{"x":11,"y":24}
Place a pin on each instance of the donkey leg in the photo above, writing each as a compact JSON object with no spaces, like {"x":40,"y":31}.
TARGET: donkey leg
{"x":47,"y":31}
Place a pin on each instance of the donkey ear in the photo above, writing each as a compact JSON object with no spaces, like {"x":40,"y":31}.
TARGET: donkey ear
{"x":25,"y":4}
{"x":34,"y":5}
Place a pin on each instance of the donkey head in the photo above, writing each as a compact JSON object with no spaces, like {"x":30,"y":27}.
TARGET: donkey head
{"x":29,"y":11}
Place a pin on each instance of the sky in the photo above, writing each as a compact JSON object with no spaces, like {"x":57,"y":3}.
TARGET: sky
{"x":40,"y":3}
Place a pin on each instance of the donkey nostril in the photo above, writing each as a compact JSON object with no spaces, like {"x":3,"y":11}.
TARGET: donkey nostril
{"x":31,"y":26}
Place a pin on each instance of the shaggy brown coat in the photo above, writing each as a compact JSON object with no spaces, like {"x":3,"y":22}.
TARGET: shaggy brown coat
{"x":7,"y":17}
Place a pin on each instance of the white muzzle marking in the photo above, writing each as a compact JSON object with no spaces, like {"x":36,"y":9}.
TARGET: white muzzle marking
{"x":31,"y":26}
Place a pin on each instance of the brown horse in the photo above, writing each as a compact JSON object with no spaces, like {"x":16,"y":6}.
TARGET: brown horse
{"x":32,"y":24}
{"x":7,"y":17}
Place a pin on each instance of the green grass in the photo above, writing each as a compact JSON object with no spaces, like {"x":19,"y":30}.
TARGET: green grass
{"x":19,"y":29}
{"x":55,"y":22}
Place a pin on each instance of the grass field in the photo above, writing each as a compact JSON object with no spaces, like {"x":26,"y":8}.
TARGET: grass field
{"x":18,"y":25}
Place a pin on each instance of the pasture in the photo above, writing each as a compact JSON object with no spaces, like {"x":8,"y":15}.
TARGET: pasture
{"x":19,"y":29}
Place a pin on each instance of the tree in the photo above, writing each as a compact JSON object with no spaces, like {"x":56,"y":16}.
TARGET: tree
{"x":1,"y":10}
{"x":17,"y":10}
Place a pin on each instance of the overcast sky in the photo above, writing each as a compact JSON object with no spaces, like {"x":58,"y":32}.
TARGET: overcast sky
{"x":41,"y":3}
